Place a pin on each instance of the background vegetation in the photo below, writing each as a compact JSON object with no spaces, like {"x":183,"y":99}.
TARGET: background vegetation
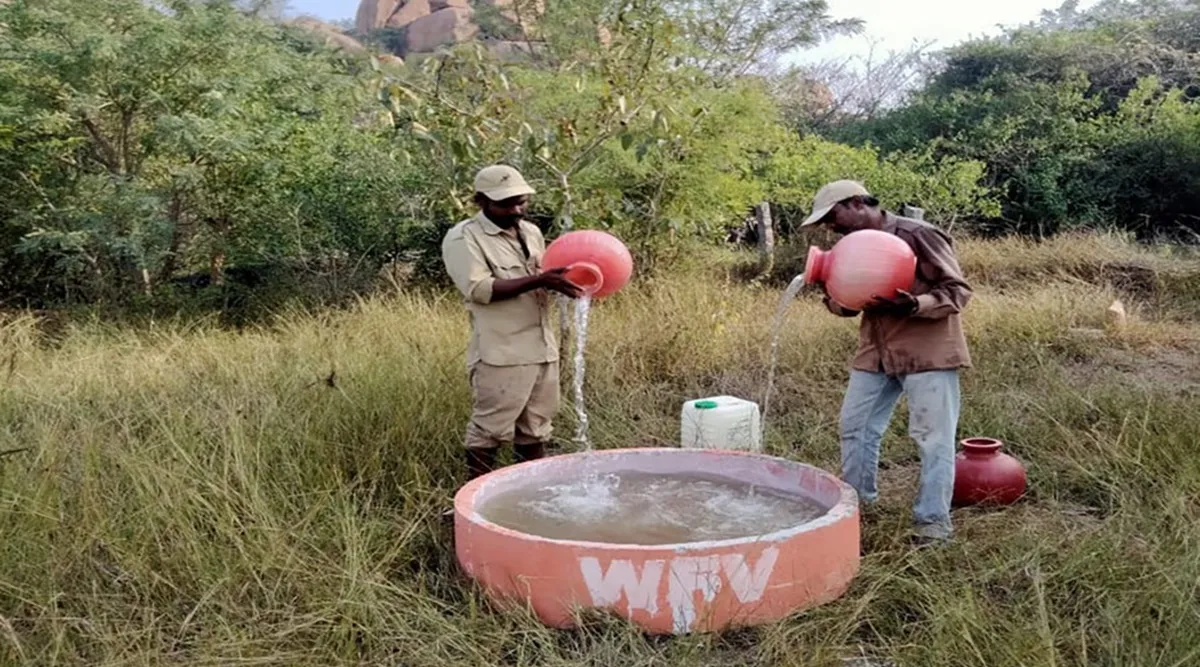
{"x":153,"y":147}
{"x":1085,"y":119}
{"x":181,"y":153}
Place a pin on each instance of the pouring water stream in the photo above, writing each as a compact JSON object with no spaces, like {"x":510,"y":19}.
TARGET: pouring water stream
{"x":582,"y":307}
{"x":789,"y":294}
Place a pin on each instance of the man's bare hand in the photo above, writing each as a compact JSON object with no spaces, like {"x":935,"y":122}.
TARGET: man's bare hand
{"x":556,"y":281}
{"x":902,"y":305}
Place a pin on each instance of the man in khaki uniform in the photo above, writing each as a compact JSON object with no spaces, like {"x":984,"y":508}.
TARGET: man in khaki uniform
{"x":912,"y":344}
{"x":495,"y":259}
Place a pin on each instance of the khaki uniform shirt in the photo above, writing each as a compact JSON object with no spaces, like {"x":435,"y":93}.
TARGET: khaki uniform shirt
{"x":931,"y":338}
{"x":513,"y":332}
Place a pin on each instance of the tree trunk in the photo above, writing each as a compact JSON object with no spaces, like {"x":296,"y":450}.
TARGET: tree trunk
{"x":766,"y":236}
{"x":179,"y":233}
{"x":216,"y":266}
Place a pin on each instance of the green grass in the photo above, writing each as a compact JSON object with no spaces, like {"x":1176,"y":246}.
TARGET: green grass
{"x":187,"y":495}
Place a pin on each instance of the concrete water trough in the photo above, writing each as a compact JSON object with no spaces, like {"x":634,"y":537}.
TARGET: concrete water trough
{"x":700,"y":586}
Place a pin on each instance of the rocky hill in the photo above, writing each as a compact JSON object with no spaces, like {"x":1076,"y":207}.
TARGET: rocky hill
{"x":413,"y":27}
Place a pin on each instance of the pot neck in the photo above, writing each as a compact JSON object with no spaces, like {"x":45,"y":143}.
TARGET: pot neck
{"x":982,"y":447}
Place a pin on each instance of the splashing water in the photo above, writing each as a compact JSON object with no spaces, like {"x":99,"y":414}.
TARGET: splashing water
{"x":582,"y":306}
{"x":788,"y":295}
{"x":630,"y":507}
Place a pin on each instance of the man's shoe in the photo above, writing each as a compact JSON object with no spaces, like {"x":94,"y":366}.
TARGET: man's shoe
{"x":924,"y":541}
{"x":523,"y":453}
{"x":930,"y":534}
{"x":480,"y":462}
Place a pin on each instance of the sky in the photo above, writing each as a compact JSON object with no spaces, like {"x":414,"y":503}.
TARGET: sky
{"x":330,"y":10}
{"x":895,"y":23}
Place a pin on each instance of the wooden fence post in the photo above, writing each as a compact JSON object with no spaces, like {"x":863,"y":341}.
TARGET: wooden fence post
{"x":766,"y":236}
{"x":913,"y":212}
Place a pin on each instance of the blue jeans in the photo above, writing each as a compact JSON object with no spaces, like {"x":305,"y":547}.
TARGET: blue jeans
{"x":933,"y":405}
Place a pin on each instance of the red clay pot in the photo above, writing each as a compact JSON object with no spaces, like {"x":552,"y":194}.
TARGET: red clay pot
{"x":862,"y":265}
{"x":596,"y":261}
{"x":985,"y":475}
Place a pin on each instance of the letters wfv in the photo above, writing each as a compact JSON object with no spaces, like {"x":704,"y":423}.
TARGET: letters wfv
{"x":687,"y":575}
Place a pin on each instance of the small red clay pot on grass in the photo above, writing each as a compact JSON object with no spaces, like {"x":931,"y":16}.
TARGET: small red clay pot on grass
{"x":983,"y":475}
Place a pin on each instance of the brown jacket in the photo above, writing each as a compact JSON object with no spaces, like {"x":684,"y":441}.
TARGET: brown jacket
{"x":932,"y":337}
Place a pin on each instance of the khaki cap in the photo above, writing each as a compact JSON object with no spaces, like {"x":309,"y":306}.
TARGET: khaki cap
{"x":829,"y":196}
{"x":499,"y":182}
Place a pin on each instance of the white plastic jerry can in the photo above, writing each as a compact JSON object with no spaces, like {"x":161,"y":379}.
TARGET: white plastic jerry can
{"x":721,"y":422}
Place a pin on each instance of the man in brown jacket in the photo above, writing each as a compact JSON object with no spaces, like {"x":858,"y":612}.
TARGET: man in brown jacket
{"x":912,"y":344}
{"x":495,"y":261}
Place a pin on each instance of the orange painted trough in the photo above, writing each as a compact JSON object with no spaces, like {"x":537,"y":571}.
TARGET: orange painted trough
{"x":665,"y":589}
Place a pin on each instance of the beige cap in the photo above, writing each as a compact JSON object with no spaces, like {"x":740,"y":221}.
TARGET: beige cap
{"x":829,"y":196}
{"x":499,"y":182}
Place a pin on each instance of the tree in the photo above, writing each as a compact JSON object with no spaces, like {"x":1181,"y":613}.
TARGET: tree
{"x":146,"y":140}
{"x":1041,"y":104}
{"x":734,"y":37}
{"x":837,"y":91}
{"x":147,"y":145}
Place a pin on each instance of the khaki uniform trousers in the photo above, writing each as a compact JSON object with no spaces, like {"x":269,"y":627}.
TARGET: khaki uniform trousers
{"x":512,"y":404}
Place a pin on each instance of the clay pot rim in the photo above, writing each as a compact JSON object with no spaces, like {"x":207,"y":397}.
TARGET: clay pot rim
{"x":846,"y":506}
{"x":814,"y":265}
{"x":595,"y":277}
{"x":600,"y":289}
{"x":982,"y":444}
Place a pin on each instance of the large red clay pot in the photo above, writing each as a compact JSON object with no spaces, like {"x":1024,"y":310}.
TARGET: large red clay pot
{"x":862,"y":265}
{"x":985,"y":475}
{"x":597,"y":261}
